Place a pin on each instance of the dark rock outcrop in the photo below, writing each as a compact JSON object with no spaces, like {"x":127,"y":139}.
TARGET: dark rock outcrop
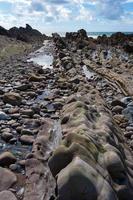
{"x":129,"y":47}
{"x":27,"y":34}
{"x":59,"y":41}
{"x":3,"y":31}
{"x":102,"y":39}
{"x":79,"y":34}
{"x":118,"y":38}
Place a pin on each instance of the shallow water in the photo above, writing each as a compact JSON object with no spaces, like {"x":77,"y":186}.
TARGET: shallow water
{"x":43,"y":60}
{"x":43,"y":95}
{"x":19,"y":150}
{"x":57,"y":135}
{"x":43,"y":56}
{"x":88,"y":73}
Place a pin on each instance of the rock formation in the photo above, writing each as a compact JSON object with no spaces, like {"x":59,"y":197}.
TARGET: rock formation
{"x":93,"y":161}
{"x":27,"y":34}
{"x":66,"y":133}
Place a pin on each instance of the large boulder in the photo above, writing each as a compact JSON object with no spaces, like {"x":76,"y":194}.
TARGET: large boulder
{"x":7,"y":179}
{"x":27,"y":140}
{"x":7,"y":158}
{"x":82,"y":33}
{"x":84,"y":181}
{"x":7,"y":195}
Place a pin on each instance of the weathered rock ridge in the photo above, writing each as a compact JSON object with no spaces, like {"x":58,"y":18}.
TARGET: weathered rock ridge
{"x":27,"y":34}
{"x":93,"y":161}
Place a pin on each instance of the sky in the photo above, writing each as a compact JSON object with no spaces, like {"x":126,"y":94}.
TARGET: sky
{"x":68,"y":15}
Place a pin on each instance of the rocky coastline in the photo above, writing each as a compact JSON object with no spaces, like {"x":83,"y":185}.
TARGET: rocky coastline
{"x":67,"y":130}
{"x":27,"y":34}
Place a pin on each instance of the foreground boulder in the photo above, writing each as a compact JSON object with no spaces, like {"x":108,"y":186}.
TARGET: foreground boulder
{"x":26,"y":139}
{"x":12,"y":98}
{"x":7,"y":195}
{"x":7,"y":179}
{"x":7,"y":159}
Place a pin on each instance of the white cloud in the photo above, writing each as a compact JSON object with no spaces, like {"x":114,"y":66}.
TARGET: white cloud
{"x":63,"y":12}
{"x":129,"y":1}
{"x":17,"y":1}
{"x":84,"y":14}
{"x":40,"y":12}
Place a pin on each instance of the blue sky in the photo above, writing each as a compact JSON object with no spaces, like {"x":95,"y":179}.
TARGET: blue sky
{"x":68,"y":15}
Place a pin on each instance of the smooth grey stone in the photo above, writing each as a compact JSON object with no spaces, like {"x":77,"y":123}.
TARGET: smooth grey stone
{"x":126,"y":100}
{"x":4,"y":116}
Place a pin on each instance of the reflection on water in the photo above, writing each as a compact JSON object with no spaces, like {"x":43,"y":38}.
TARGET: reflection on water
{"x":19,"y":150}
{"x":57,"y":135}
{"x":88,"y":73}
{"x":109,"y":55}
{"x":43,"y":56}
{"x":42,"y":96}
{"x":43,"y":60}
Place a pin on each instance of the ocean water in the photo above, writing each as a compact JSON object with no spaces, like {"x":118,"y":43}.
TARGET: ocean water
{"x":93,"y":34}
{"x":96,"y":34}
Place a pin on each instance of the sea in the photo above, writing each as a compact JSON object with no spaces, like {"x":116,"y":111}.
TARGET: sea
{"x":93,"y":34}
{"x":96,"y":34}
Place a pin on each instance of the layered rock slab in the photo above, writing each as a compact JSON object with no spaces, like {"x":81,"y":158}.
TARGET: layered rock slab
{"x":93,"y":162}
{"x":40,"y":183}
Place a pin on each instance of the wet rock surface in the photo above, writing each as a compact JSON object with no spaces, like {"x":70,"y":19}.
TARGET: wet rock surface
{"x":66,"y":126}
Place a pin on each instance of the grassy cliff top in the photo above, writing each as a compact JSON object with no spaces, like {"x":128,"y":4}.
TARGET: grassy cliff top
{"x":11,"y":47}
